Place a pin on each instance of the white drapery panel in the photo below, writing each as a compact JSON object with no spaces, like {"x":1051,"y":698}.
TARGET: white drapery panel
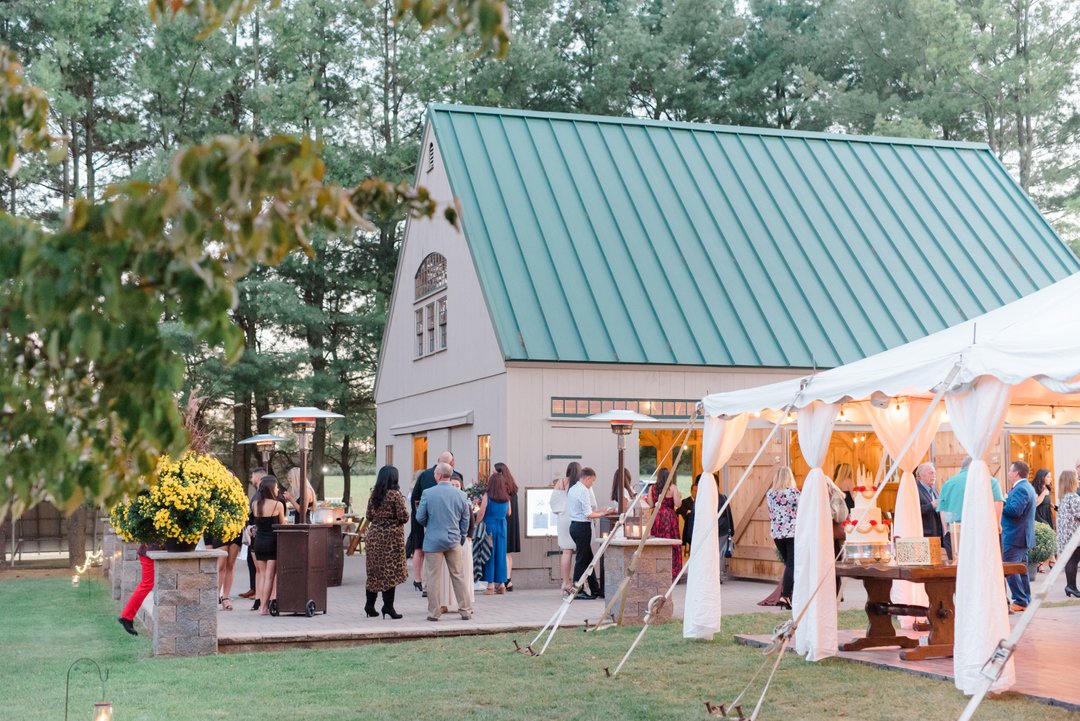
{"x":982,"y":616}
{"x":893,"y":426}
{"x":815,"y":637}
{"x":701,"y":612}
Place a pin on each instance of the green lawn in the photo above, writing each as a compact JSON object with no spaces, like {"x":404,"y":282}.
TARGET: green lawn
{"x":48,"y":624}
{"x":361,"y":489}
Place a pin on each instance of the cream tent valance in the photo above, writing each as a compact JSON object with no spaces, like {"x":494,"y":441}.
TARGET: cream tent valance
{"x":1033,"y":342}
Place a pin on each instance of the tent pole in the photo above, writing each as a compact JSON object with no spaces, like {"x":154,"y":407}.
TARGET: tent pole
{"x":994,"y":665}
{"x":553,"y":623}
{"x":745,"y":475}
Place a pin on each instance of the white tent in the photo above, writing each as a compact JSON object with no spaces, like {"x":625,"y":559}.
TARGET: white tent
{"x":1024,"y":352}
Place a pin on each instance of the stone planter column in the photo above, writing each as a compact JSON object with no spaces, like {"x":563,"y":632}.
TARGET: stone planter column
{"x":184,"y":619}
{"x":125,"y":581}
{"x":652,"y":577}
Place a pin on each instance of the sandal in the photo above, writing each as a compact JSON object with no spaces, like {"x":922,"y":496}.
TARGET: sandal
{"x":489,"y":591}
{"x":226,"y":604}
{"x":509,"y":585}
{"x":500,"y":589}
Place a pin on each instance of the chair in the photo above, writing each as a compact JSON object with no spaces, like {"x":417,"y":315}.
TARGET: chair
{"x":356,"y":537}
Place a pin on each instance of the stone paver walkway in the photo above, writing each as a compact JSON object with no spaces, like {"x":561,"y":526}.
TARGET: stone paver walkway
{"x":524,"y":611}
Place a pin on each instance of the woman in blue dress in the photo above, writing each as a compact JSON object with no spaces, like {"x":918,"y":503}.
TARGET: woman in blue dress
{"x":494,"y":509}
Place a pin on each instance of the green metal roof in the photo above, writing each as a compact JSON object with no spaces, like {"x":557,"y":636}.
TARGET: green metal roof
{"x":634,"y":241}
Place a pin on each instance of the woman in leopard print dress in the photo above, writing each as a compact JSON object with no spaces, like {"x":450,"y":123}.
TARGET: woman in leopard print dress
{"x":387,"y":514}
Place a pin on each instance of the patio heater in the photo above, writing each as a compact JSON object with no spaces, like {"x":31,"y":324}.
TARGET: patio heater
{"x":303,"y":424}
{"x":622,"y":423}
{"x":264,"y":443}
{"x":304,"y":549}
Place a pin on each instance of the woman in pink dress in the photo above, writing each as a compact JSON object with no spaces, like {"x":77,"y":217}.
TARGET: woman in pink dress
{"x":667,"y":523}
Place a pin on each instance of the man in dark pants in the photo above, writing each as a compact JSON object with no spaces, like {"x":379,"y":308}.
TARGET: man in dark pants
{"x":581,"y":505}
{"x":1018,"y":532}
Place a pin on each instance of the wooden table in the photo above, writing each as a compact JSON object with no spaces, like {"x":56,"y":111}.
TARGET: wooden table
{"x":940,"y":583}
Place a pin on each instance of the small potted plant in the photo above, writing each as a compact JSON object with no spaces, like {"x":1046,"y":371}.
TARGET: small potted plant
{"x":1044,"y":549}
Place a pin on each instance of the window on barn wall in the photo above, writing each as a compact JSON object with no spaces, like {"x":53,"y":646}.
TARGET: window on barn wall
{"x":483,"y":457}
{"x":430,"y":305}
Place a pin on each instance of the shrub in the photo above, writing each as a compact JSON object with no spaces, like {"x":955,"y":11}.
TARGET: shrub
{"x":1045,"y":544}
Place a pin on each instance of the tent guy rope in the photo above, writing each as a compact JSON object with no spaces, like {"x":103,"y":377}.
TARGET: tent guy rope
{"x":734,"y":492}
{"x":556,"y":619}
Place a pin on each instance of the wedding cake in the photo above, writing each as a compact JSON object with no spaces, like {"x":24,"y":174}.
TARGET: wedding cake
{"x":867,"y":534}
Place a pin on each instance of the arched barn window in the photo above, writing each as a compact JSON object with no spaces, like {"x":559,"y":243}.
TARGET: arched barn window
{"x":430,"y":306}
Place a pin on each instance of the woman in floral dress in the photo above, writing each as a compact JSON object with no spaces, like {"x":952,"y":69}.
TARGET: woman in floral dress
{"x":783,"y":500}
{"x":667,"y":523}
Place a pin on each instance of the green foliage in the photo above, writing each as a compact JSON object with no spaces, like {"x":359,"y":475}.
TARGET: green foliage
{"x":1045,"y":546}
{"x":24,"y":112}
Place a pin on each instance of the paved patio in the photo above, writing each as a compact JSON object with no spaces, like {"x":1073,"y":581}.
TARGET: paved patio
{"x":524,"y":611}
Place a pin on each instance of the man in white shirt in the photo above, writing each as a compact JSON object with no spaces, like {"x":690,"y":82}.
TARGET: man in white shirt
{"x":581,"y":507}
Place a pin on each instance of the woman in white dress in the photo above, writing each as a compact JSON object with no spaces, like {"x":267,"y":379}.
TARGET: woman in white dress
{"x":558,"y":507}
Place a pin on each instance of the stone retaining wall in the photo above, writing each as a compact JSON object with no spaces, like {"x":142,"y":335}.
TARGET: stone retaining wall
{"x":184,"y":620}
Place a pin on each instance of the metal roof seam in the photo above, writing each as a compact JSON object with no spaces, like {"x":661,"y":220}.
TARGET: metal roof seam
{"x":675,"y":295}
{"x":830,"y":257}
{"x":862,"y":268}
{"x":599,"y":247}
{"x":752,"y":249}
{"x":948,"y":198}
{"x":910,"y":236}
{"x":614,"y":218}
{"x":726,"y":246}
{"x":701,"y":246}
{"x":573,"y":249}
{"x":1042,"y":227}
{"x":801,"y":290}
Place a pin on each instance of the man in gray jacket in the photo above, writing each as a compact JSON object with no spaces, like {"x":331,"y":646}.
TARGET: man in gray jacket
{"x":444,"y":514}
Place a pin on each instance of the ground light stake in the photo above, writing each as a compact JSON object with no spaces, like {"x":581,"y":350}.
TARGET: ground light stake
{"x":102,"y":709}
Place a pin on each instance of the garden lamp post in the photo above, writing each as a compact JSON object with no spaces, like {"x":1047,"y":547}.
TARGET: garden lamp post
{"x":303,"y":423}
{"x":622,"y":422}
{"x":264,"y":444}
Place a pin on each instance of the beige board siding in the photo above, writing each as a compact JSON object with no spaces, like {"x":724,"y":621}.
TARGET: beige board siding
{"x":472,"y":349}
{"x":534,"y":435}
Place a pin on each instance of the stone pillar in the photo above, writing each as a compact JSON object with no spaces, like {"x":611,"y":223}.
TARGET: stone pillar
{"x":184,"y":619}
{"x":652,"y":577}
{"x":128,"y":578}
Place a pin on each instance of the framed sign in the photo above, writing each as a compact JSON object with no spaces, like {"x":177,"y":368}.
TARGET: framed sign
{"x":539,"y":520}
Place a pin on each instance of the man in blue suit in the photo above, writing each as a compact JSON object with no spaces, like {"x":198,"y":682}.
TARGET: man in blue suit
{"x":1018,"y":532}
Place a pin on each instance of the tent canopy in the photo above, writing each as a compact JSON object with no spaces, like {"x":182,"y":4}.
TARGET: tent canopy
{"x":1033,"y":343}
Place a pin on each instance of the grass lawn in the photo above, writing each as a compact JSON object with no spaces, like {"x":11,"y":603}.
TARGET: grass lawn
{"x":333,"y":486}
{"x":48,"y":624}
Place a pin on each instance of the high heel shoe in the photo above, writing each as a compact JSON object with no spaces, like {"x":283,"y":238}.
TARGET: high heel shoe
{"x":784,"y":603}
{"x":391,"y":613}
{"x":255,"y":606}
{"x":418,"y":586}
{"x":1072,"y":591}
{"x":369,"y":607}
{"x":388,"y":604}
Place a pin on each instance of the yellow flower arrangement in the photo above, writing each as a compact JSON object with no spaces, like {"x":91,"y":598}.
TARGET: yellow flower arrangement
{"x":187,"y":498}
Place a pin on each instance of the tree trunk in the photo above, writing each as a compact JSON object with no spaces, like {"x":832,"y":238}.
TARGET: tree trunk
{"x":241,"y":430}
{"x":77,"y":536}
{"x":346,"y":472}
{"x":88,"y":149}
{"x":7,"y":537}
{"x":73,"y":137}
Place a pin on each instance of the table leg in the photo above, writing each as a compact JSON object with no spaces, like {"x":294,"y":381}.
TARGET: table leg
{"x":879,"y":631}
{"x":942,"y":618}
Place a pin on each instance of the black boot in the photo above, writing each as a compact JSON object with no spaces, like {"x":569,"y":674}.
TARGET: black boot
{"x":388,"y":604}
{"x":369,"y":607}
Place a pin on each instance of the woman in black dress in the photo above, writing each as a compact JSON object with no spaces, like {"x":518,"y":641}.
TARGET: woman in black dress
{"x":513,"y":526}
{"x":1043,"y":511}
{"x":266,"y":510}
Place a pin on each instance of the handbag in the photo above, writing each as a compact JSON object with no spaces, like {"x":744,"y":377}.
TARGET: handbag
{"x":729,"y":547}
